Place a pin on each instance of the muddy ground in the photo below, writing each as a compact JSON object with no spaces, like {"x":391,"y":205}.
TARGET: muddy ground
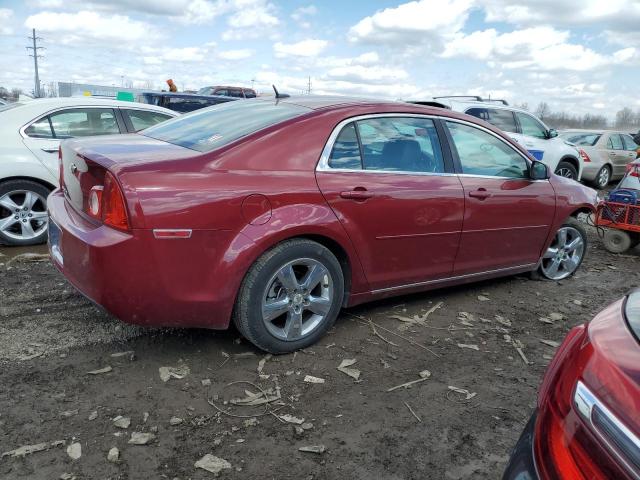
{"x":51,"y":338}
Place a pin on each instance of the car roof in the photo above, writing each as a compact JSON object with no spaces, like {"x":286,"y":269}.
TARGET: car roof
{"x":598,"y":131}
{"x":185,"y":95}
{"x":316,"y":102}
{"x":31,"y":110}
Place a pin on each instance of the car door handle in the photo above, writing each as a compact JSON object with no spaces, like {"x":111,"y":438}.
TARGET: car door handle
{"x":481,"y":194}
{"x":50,"y":150}
{"x":356,"y":194}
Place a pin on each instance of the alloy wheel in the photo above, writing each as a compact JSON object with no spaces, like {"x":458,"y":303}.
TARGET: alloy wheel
{"x":565,"y":172}
{"x":23,"y":214}
{"x":297,"y":299}
{"x":603,"y":177}
{"x":564,"y":255}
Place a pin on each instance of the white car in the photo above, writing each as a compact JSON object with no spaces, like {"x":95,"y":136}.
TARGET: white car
{"x":30,"y":135}
{"x":542,"y":142}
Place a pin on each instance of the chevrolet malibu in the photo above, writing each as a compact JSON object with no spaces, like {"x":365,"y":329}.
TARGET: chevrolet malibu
{"x":275,"y":214}
{"x":586,"y":425}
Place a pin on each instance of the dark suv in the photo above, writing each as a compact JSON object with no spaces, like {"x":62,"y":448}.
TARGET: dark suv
{"x":236,"y":92}
{"x":182,"y":102}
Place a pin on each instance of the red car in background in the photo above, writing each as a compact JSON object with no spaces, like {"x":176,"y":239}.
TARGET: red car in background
{"x":278,"y":213}
{"x":587,"y":423}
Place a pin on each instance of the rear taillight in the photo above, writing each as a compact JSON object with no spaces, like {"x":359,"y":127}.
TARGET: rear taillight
{"x":106,"y":203}
{"x":60,"y":168}
{"x":114,"y":211}
{"x":584,"y":155}
{"x":633,"y":170}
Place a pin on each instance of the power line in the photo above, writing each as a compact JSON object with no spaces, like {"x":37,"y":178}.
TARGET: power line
{"x":35,"y":48}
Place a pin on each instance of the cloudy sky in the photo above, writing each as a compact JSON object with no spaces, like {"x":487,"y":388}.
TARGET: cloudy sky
{"x":577,"y":56}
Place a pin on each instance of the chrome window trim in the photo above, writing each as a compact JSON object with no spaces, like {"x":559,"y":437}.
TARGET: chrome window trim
{"x":585,"y":401}
{"x":55,"y":110}
{"x":323,"y":163}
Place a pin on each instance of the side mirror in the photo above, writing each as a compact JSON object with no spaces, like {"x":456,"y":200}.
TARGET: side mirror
{"x":539,"y":171}
{"x":552,"y":133}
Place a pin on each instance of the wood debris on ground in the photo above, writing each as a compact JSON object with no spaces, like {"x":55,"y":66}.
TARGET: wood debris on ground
{"x":212,"y":464}
{"x":29,"y":449}
{"x":179,"y":373}
{"x":424,"y":375}
{"x":463,"y":391}
{"x":345,"y":365}
{"x":312,"y":379}
{"x":106,"y":369}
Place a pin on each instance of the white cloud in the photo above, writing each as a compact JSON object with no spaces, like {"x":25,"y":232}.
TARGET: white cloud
{"x":423,"y":21}
{"x":250,"y":19}
{"x":6,"y":15}
{"x":304,"y":48}
{"x":368,"y":75}
{"x":239,"y":54}
{"x":78,"y":28}
{"x":299,"y":15}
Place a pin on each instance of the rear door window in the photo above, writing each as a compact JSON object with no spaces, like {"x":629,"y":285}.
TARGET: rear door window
{"x":346,"y":150}
{"x":530,"y":126}
{"x":483,"y":154}
{"x":84,"y":122}
{"x":615,"y":142}
{"x":141,"y":119}
{"x":39,"y":129}
{"x":222,"y":91}
{"x":400,"y":144}
{"x":498,"y":117}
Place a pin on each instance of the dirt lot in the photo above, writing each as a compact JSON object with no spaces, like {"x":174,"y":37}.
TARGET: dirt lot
{"x":51,"y":338}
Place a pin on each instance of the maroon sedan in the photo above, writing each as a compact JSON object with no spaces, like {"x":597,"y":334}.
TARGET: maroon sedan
{"x":277,"y":213}
{"x":587,"y":424}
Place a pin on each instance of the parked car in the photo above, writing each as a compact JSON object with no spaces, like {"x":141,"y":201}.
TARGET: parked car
{"x":236,"y":92}
{"x":3,"y":102}
{"x":30,"y":135}
{"x":523,"y":127}
{"x":631,"y":180}
{"x":587,"y":421}
{"x":606,"y":154}
{"x":182,"y":102}
{"x":279,"y":213}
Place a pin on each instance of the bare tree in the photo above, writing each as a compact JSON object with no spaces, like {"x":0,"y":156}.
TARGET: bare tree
{"x":15,"y":93}
{"x":624,"y":118}
{"x":148,"y":85}
{"x":542,"y":110}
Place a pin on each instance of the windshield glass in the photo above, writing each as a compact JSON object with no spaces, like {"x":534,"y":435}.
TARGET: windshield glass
{"x":585,"y":139}
{"x":214,"y":127}
{"x":205,"y":91}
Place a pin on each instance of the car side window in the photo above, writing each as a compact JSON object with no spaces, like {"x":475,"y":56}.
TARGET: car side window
{"x":400,"y":144}
{"x":84,"y":122}
{"x":615,"y":142}
{"x":222,"y":91}
{"x":249,"y":94}
{"x":346,"y":150}
{"x":39,"y":129}
{"x":629,"y":144}
{"x":481,"y":153}
{"x":498,"y":117}
{"x":141,"y":119}
{"x":530,"y":126}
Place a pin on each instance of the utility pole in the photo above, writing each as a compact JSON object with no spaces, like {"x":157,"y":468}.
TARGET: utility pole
{"x":35,"y":56}
{"x":309,"y":86}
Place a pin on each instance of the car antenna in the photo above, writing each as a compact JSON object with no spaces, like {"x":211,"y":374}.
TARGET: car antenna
{"x":280,"y":95}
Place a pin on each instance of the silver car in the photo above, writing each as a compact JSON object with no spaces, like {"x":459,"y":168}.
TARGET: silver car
{"x":605,"y":153}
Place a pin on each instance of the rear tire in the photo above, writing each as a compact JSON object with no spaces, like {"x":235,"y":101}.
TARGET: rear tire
{"x":567,"y":170}
{"x":23,"y":212}
{"x":290,"y":297}
{"x":603,"y":178}
{"x":616,"y":241}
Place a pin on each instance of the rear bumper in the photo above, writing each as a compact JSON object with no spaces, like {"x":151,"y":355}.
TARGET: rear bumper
{"x":591,"y":170}
{"x":522,"y":464}
{"x":143,"y":280}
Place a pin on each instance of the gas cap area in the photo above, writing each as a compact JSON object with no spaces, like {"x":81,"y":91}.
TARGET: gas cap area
{"x":256,"y":209}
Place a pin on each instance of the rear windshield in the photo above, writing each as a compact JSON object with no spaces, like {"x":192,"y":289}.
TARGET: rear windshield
{"x":219,"y":125}
{"x":582,"y":139}
{"x":9,"y":106}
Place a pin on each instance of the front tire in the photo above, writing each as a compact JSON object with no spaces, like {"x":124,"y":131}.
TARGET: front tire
{"x":290,"y":297}
{"x":567,"y":170}
{"x":23,"y":212}
{"x":566,"y":252}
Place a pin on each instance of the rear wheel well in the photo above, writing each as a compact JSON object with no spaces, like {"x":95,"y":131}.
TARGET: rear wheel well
{"x":572,"y":160}
{"x":46,"y":185}
{"x":342,"y":257}
{"x":581,"y":211}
